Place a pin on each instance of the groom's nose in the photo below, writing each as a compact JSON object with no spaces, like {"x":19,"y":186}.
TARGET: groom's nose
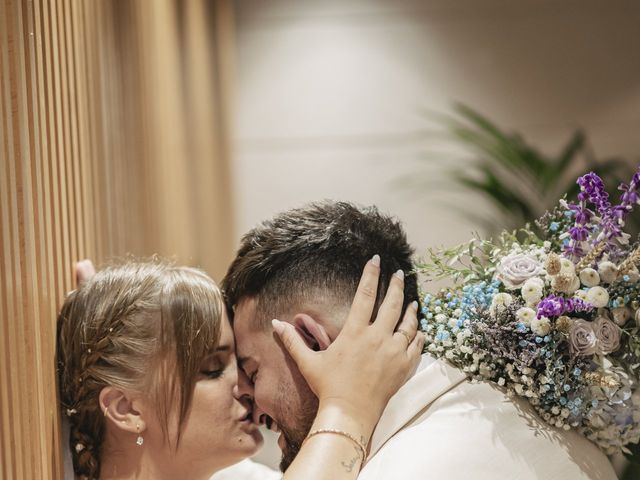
{"x":259,"y":417}
{"x":244,"y":387}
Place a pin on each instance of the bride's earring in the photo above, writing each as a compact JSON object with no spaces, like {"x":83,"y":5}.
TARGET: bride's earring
{"x":139,"y":440}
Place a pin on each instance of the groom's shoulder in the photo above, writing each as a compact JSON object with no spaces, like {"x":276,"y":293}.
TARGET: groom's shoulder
{"x":476,"y":428}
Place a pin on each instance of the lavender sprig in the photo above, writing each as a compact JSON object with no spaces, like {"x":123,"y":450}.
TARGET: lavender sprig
{"x":579,"y":232}
{"x":555,"y":306}
{"x":592,"y":189}
{"x":628,"y":198}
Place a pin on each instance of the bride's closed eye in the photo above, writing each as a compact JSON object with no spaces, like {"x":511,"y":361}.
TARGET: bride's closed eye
{"x":215,"y":373}
{"x":214,"y":366}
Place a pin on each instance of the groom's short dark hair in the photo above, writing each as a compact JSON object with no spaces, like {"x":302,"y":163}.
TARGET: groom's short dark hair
{"x":319,"y":249}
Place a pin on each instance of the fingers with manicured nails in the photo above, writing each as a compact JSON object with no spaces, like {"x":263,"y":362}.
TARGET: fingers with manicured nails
{"x":292,"y":342}
{"x":391,"y":308}
{"x":409,"y":323}
{"x":365,"y":298}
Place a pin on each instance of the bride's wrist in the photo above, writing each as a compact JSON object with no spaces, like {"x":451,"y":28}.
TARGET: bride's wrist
{"x":343,"y":414}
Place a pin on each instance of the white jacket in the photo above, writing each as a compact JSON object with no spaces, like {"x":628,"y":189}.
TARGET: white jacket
{"x":440,"y":425}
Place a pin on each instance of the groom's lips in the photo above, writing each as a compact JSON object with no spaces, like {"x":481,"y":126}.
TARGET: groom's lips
{"x":271,"y":424}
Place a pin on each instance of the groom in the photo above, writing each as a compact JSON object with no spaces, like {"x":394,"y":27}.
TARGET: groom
{"x":303,"y":267}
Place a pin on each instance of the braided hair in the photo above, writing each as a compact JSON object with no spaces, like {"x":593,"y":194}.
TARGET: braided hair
{"x":116,"y":330}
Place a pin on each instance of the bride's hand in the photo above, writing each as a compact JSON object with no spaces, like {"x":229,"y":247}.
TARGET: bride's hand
{"x":84,"y":270}
{"x":368,"y":362}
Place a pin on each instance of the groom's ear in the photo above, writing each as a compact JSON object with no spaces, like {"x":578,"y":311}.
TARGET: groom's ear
{"x":312,"y":332}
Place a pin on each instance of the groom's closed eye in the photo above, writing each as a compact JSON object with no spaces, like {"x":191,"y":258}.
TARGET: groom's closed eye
{"x":249,"y":367}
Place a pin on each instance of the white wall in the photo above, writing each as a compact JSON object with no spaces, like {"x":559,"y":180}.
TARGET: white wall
{"x":333,"y":95}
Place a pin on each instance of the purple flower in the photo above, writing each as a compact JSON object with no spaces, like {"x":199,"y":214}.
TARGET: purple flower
{"x":628,"y":198}
{"x":592,"y":187}
{"x":579,"y":233}
{"x":555,"y":306}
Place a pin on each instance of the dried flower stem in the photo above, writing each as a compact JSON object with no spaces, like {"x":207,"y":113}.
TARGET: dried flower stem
{"x":591,"y":256}
{"x":632,"y":260}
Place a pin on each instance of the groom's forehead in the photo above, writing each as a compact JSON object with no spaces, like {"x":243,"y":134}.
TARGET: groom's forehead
{"x":246,"y":325}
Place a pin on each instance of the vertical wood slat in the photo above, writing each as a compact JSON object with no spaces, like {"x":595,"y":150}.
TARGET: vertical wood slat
{"x":108,"y":146}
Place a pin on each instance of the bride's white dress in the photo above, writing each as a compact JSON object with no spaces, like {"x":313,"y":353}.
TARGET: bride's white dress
{"x":247,"y":470}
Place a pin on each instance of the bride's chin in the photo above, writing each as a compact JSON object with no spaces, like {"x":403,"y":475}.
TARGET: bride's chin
{"x":252,"y":442}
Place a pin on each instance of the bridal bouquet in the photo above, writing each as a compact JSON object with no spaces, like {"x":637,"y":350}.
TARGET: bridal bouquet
{"x":552,"y":317}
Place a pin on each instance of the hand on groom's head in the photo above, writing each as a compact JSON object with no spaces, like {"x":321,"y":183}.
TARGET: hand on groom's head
{"x":84,"y":270}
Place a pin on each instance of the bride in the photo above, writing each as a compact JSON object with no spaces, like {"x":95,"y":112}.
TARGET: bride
{"x":150,"y":385}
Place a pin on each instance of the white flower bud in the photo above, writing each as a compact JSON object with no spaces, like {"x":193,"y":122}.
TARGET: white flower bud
{"x":608,"y":271}
{"x":621,"y":315}
{"x":532,"y":290}
{"x":567,"y":266}
{"x":598,"y":297}
{"x":500,"y":302}
{"x":441,"y":318}
{"x":541,"y":326}
{"x":633,"y":274}
{"x":575,"y":284}
{"x":589,"y":277}
{"x":526,"y":315}
{"x":581,"y":294}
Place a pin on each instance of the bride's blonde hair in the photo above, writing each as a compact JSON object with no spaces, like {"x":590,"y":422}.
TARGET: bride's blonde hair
{"x":143,"y":327}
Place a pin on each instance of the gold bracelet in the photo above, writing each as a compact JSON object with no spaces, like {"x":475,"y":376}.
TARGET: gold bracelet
{"x":359,"y":444}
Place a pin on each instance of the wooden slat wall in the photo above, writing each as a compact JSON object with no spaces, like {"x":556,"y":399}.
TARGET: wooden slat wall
{"x":113,"y":140}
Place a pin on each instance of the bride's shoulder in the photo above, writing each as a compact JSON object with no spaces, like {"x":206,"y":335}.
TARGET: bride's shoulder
{"x":247,"y":470}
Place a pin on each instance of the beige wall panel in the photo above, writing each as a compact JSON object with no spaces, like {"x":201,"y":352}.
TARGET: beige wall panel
{"x":98,"y":160}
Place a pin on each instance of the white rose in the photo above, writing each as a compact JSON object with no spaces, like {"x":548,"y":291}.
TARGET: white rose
{"x":608,"y":272}
{"x":453,"y":322}
{"x":598,"y":297}
{"x":500,"y":302}
{"x":621,"y":315}
{"x":589,"y":277}
{"x":541,"y":326}
{"x":532,"y":290}
{"x":526,"y":315}
{"x":516,"y":268}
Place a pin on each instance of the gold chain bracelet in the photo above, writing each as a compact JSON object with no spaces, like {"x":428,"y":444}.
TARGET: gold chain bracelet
{"x":358,"y":443}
